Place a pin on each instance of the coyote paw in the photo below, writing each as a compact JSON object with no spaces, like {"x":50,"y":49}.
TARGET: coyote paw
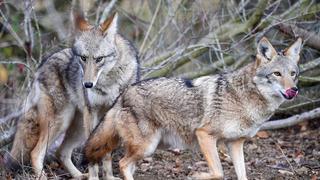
{"x":113,"y":178}
{"x":205,"y":176}
{"x":93,"y":178}
{"x":81,"y":177}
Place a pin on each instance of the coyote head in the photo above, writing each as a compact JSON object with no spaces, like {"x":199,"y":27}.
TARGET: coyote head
{"x":277,"y":72}
{"x":94,"y":48}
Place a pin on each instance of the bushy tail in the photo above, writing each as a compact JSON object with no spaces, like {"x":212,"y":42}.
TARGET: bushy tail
{"x":26,"y":137}
{"x":102,"y":140}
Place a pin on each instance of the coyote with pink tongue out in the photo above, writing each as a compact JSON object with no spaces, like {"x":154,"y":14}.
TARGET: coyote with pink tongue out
{"x":229,"y":107}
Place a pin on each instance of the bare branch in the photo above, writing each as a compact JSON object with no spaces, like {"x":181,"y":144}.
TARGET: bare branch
{"x":17,"y":62}
{"x":311,"y":38}
{"x":141,"y":50}
{"x":107,"y":10}
{"x":57,"y":20}
{"x":7,"y":136}
{"x":8,"y":26}
{"x":293,"y":120}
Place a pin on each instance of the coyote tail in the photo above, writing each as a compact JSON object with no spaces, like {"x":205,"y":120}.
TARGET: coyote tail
{"x":101,"y":141}
{"x":26,"y":137}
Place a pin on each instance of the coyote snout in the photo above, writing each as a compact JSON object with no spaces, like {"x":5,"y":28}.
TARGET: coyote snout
{"x":92,"y":71}
{"x":290,"y":93}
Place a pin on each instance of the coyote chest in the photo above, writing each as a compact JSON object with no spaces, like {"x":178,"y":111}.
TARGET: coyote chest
{"x":98,"y":97}
{"x":247,"y":122}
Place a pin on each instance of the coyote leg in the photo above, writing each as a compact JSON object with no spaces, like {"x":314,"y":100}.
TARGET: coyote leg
{"x":107,"y":168}
{"x":236,"y":152}
{"x":127,"y":167}
{"x":49,"y":130}
{"x":113,"y":142}
{"x":90,"y":120}
{"x":72,"y":139}
{"x":208,"y":146}
{"x":137,"y":145}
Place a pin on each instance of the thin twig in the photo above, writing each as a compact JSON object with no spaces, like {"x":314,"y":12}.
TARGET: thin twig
{"x":57,"y":20}
{"x":285,"y":156}
{"x":141,"y":50}
{"x":107,"y":10}
{"x":17,"y":62}
{"x":8,"y":26}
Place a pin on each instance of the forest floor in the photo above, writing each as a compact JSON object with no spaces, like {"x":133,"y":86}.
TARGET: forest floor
{"x":292,"y":153}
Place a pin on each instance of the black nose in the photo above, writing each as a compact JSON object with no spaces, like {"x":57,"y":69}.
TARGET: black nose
{"x":88,"y":84}
{"x":295,"y":89}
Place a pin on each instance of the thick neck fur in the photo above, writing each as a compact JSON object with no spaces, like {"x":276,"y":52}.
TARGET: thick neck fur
{"x":243,"y":83}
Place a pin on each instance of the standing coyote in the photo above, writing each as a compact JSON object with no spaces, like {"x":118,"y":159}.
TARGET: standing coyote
{"x":71,"y":92}
{"x":229,"y":107}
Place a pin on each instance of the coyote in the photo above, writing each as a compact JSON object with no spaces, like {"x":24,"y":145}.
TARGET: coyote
{"x":197,"y":113}
{"x":71,"y":92}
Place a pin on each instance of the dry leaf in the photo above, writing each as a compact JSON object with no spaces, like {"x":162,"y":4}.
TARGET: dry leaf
{"x":3,"y":74}
{"x":263,"y":134}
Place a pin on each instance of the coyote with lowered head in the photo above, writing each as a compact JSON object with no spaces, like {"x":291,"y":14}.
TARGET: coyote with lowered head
{"x":228,"y":107}
{"x":71,"y":92}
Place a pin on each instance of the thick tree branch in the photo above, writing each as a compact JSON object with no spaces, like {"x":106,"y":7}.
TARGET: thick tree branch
{"x":293,"y":120}
{"x":311,"y":38}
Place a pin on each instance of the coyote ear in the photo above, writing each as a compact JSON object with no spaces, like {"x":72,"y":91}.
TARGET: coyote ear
{"x":110,"y":26}
{"x":81,"y":23}
{"x":294,"y":50}
{"x":265,"y":49}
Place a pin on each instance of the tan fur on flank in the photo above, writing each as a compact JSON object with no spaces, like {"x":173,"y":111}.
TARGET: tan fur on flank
{"x":228,"y":107}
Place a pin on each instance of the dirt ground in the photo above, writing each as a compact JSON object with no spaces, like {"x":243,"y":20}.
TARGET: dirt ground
{"x":282,"y":154}
{"x":292,"y":153}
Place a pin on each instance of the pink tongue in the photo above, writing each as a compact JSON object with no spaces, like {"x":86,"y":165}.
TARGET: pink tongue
{"x":291,"y":93}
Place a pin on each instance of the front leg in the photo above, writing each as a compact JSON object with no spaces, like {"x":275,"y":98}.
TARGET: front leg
{"x":90,"y":119}
{"x":208,"y":146}
{"x":236,"y":153}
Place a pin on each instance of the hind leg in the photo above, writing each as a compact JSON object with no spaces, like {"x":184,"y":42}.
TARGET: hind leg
{"x":25,"y":140}
{"x":107,"y":172}
{"x":74,"y":136}
{"x":135,"y":151}
{"x":112,"y":143}
{"x":138,"y":145}
{"x":103,"y":140}
{"x":47,"y":132}
{"x":51,"y":126}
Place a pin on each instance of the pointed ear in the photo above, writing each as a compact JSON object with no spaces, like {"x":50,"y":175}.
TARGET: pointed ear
{"x":81,"y":23}
{"x":294,"y":50}
{"x":265,"y":49}
{"x":110,"y":26}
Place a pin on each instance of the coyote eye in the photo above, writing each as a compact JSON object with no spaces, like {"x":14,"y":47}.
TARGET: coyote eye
{"x":99,"y":59}
{"x":277,"y":73}
{"x":83,"y":58}
{"x":293,"y":73}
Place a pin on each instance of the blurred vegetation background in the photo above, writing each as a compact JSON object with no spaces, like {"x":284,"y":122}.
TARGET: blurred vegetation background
{"x":182,"y":38}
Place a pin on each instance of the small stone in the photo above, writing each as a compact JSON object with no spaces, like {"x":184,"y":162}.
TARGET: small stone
{"x":285,"y":172}
{"x":148,"y":159}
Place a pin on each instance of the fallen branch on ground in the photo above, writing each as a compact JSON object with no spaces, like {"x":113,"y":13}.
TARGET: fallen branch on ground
{"x":293,"y":120}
